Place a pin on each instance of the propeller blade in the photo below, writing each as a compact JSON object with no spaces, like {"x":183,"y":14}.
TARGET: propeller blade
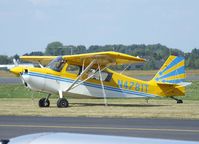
{"x":15,"y":62}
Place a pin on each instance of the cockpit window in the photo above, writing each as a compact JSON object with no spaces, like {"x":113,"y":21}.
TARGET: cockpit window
{"x":74,"y":69}
{"x":106,"y":76}
{"x":57,"y":64}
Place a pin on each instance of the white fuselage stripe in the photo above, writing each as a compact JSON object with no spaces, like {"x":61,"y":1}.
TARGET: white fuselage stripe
{"x":47,"y":76}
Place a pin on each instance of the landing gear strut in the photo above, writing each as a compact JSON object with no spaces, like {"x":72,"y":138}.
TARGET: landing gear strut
{"x":179,"y":101}
{"x":44,"y":102}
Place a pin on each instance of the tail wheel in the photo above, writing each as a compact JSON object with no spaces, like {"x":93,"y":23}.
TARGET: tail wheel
{"x":179,"y":101}
{"x":62,"y":103}
{"x":43,"y":102}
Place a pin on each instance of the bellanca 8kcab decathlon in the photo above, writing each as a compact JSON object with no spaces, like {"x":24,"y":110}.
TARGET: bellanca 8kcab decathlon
{"x":89,"y":75}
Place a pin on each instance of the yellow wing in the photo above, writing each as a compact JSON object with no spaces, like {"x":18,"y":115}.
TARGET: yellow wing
{"x":103,"y":58}
{"x":44,"y":60}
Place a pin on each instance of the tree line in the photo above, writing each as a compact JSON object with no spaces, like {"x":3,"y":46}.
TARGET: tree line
{"x":155,"y":54}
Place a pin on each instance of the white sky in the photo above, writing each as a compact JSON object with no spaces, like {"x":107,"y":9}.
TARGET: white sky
{"x":29,"y":25}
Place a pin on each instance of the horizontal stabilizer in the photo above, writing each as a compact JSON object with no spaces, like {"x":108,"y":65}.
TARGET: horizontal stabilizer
{"x":175,"y":85}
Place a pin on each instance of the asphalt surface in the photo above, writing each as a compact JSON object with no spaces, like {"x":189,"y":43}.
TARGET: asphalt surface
{"x":12,"y":126}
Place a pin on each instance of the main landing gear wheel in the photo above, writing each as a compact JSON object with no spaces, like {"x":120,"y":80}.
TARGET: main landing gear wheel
{"x":43,"y":102}
{"x":62,"y":103}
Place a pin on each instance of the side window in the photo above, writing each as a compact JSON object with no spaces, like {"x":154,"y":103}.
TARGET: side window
{"x":105,"y":75}
{"x":74,"y":69}
{"x":57,"y":64}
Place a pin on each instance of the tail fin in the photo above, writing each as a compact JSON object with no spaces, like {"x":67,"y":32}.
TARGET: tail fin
{"x":172,"y":71}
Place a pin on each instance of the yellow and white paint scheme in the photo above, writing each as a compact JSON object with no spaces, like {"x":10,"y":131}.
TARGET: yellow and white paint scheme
{"x":89,"y":75}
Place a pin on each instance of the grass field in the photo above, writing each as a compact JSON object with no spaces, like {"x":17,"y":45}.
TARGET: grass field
{"x":17,"y":100}
{"x":126,"y":108}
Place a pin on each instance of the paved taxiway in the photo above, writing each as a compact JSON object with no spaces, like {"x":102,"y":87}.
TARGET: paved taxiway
{"x":12,"y":126}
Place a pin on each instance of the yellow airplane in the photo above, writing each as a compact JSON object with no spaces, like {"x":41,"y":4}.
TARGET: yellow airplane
{"x":89,"y":75}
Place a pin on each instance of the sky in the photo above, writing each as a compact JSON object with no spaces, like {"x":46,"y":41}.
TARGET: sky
{"x":29,"y":25}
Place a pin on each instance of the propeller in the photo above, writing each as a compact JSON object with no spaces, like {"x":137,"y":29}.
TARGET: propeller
{"x":18,"y":70}
{"x":15,"y":62}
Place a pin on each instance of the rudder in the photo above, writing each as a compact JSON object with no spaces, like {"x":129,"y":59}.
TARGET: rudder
{"x":172,"y":71}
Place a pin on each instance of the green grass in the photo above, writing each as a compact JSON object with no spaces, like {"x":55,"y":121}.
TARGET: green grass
{"x":17,"y":100}
{"x":192,"y":91}
{"x":16,"y":91}
{"x":125,"y":108}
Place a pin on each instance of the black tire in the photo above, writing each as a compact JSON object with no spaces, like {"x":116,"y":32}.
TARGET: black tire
{"x":62,"y":103}
{"x":179,"y":101}
{"x":44,"y":103}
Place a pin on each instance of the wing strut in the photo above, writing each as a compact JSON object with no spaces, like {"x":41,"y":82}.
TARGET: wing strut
{"x":86,"y":70}
{"x":103,"y":90}
{"x":82,"y":73}
{"x":87,"y":78}
{"x":125,"y":68}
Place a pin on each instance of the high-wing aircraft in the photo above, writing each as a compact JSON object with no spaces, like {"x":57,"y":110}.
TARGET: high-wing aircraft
{"x":89,"y":75}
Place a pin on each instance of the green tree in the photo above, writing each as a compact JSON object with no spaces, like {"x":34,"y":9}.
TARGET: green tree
{"x":5,"y":59}
{"x":54,"y":48}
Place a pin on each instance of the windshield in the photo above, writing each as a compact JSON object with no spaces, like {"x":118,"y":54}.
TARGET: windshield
{"x":57,"y":64}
